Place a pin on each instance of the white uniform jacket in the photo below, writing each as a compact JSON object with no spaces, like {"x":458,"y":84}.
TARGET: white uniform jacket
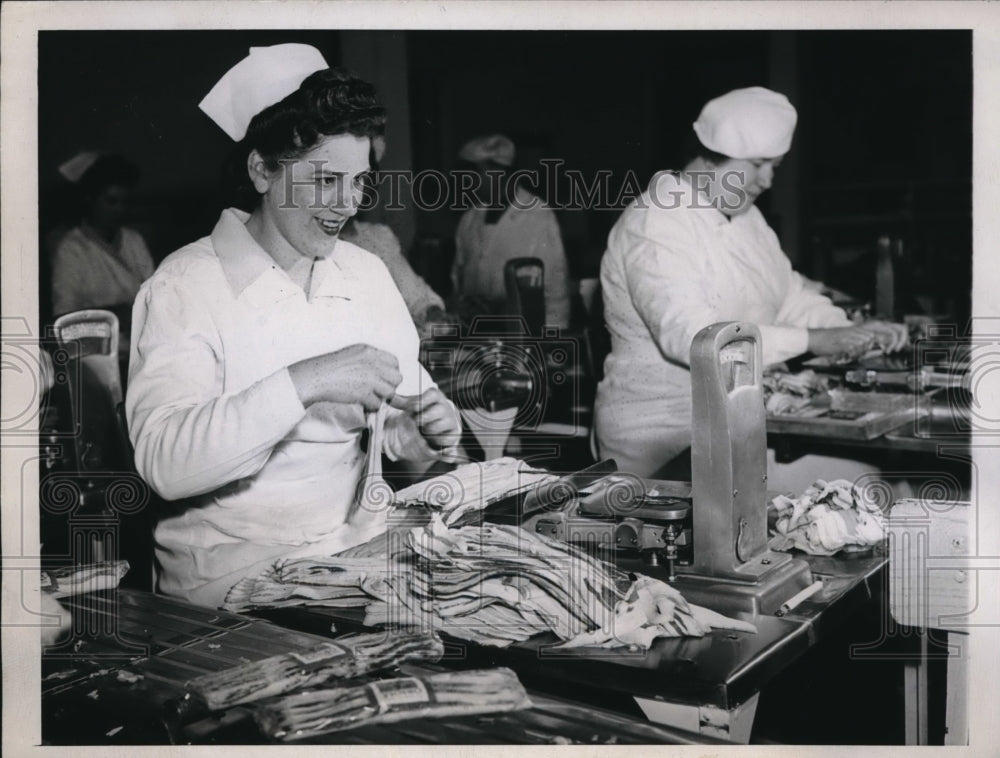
{"x":673,"y":266}
{"x":215,"y":419}
{"x":528,"y":229}
{"x":88,"y":272}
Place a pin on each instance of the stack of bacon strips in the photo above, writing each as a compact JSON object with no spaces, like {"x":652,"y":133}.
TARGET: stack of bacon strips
{"x":786,"y":393}
{"x":491,"y":584}
{"x":827,"y":517}
{"x":454,"y":693}
{"x":473,"y":486}
{"x":77,"y":580}
{"x":348,"y":657}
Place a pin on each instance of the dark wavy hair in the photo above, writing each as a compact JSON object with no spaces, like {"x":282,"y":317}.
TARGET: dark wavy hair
{"x":329,"y":102}
{"x":107,"y":171}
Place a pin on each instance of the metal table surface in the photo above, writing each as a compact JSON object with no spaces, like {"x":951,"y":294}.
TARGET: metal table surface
{"x":119,"y":679}
{"x":723,"y":669}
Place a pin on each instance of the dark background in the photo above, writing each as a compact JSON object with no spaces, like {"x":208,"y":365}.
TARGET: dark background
{"x":884,"y":143}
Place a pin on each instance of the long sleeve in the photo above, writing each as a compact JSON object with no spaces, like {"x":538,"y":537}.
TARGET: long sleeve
{"x":802,"y":310}
{"x":380,"y":240}
{"x":86,"y":275}
{"x":667,"y":287}
{"x":140,"y":260}
{"x":71,"y":288}
{"x":189,"y":437}
{"x":549,"y":248}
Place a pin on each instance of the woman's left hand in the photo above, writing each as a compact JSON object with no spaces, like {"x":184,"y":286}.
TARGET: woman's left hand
{"x":434,"y":414}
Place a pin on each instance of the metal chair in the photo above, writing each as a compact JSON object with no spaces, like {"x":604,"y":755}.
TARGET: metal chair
{"x":525,"y":285}
{"x":113,"y":501}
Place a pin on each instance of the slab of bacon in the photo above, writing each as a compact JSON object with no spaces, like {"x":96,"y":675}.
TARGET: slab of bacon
{"x":491,"y":584}
{"x":453,"y":693}
{"x":348,"y":657}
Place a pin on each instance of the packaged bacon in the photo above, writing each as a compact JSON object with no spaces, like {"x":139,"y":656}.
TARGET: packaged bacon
{"x":344,"y":658}
{"x":452,"y":693}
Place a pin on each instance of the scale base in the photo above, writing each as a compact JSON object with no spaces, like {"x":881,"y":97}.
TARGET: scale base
{"x":761,"y":597}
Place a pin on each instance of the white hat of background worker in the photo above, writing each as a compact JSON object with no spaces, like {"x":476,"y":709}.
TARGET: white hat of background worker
{"x":74,"y":169}
{"x":492,"y":149}
{"x":747,"y":123}
{"x":266,"y":76}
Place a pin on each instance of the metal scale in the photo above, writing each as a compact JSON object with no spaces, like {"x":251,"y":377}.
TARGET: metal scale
{"x":708,"y":537}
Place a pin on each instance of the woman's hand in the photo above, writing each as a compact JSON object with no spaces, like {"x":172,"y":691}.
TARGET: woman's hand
{"x":891,"y":338}
{"x":434,"y":415}
{"x":850,"y":341}
{"x":358,"y":374}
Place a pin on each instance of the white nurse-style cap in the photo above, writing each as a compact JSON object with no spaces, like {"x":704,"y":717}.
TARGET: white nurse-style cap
{"x":747,"y":123}
{"x":266,"y":76}
{"x":495,"y":148}
{"x":77,"y":166}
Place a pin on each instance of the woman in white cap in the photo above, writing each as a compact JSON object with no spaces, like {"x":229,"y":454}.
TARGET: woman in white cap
{"x":506,"y":221}
{"x":693,"y":250}
{"x":263,"y":352}
{"x":99,"y":263}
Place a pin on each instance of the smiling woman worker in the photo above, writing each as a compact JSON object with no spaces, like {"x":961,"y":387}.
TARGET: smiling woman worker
{"x":694,"y":250}
{"x":258,"y":350}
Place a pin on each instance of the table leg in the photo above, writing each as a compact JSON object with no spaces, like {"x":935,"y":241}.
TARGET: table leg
{"x":733,"y":724}
{"x":956,"y":717}
{"x":915,"y":696}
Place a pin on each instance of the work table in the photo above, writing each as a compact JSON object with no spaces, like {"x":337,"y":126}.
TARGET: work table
{"x":119,"y":679}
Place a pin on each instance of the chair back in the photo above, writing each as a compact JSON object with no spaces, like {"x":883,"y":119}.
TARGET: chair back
{"x":110,"y":488}
{"x":90,"y":338}
{"x":525,"y":284}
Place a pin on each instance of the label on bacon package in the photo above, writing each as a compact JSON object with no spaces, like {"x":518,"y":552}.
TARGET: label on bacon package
{"x":319,"y":654}
{"x":394,"y":694}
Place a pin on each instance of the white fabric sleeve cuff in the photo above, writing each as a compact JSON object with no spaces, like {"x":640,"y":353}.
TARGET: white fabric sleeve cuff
{"x":783,"y":342}
{"x":282,"y":398}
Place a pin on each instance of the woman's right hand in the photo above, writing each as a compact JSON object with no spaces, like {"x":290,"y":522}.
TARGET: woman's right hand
{"x":849,"y":341}
{"x":354,"y":375}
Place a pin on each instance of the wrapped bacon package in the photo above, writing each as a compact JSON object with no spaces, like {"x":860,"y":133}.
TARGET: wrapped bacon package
{"x":491,"y":584}
{"x":454,"y":693}
{"x":826,"y":518}
{"x":473,"y":486}
{"x":348,"y":657}
{"x":77,"y":580}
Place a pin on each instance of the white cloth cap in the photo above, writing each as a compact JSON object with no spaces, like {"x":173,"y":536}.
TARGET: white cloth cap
{"x":266,"y":76}
{"x":747,"y":123}
{"x":77,"y":166}
{"x":495,"y":148}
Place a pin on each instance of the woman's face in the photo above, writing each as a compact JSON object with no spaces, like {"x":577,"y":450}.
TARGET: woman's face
{"x":306,"y":202}
{"x":107,"y":211}
{"x":739,"y":182}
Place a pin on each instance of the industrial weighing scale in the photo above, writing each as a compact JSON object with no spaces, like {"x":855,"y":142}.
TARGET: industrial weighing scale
{"x":707,"y":537}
